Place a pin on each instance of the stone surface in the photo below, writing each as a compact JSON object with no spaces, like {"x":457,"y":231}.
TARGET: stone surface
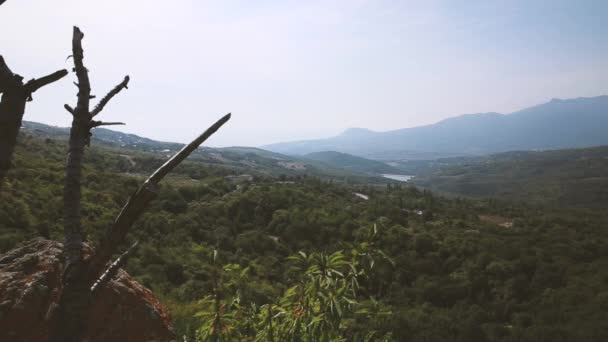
{"x":123,"y":310}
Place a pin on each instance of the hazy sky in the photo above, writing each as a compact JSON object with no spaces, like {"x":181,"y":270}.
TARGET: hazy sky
{"x":292,"y":70}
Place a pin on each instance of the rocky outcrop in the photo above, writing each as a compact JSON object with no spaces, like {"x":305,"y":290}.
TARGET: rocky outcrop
{"x":30,"y":284}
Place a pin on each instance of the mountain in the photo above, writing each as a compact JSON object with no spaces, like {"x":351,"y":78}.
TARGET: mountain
{"x":572,"y":177}
{"x":106,"y":137}
{"x":238,"y":159}
{"x":352,"y":163}
{"x":357,"y":132}
{"x":573,"y":123}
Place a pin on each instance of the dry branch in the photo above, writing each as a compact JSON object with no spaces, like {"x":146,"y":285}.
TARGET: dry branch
{"x":69,"y":109}
{"x":101,"y":123}
{"x":84,"y":86}
{"x":6,"y":75}
{"x":141,"y":198}
{"x":36,"y":84}
{"x":104,"y":101}
{"x":112,"y":269}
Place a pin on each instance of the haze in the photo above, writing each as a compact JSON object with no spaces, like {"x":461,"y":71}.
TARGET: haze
{"x":291,"y":70}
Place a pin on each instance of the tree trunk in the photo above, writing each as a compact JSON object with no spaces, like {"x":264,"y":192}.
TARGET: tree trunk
{"x":12,"y":107}
{"x":79,"y":137}
{"x":71,"y":193}
{"x":74,"y":300}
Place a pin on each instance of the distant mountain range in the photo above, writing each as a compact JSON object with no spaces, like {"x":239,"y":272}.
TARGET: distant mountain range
{"x":558,"y":124}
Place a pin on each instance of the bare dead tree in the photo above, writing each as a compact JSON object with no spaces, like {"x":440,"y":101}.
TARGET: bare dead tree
{"x":15,"y":94}
{"x":74,"y":299}
{"x":82,"y":278}
{"x":82,"y":123}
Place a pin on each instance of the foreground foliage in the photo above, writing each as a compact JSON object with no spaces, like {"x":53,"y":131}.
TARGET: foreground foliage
{"x":328,"y":301}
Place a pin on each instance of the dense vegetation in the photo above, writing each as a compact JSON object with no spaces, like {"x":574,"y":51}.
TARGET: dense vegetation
{"x":574,"y":177}
{"x":305,"y":259}
{"x":352,"y":163}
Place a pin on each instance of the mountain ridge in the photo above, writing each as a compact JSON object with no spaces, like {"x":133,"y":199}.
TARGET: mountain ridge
{"x":236,"y":158}
{"x":559,"y":123}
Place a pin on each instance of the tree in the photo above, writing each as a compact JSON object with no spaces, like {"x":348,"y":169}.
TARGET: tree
{"x":82,"y":278}
{"x":15,"y":94}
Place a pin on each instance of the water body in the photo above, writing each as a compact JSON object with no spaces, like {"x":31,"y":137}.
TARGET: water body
{"x":401,"y":178}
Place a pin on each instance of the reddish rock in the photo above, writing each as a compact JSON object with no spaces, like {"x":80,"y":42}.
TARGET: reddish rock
{"x":123,"y":310}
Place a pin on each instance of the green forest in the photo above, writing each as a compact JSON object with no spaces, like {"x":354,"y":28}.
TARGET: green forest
{"x":563,"y":178}
{"x":301,"y":258}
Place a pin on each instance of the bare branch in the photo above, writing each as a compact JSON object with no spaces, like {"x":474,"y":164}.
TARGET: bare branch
{"x":84,"y":86}
{"x":5,"y":71}
{"x":141,"y":198}
{"x":38,"y":83}
{"x":69,"y":109}
{"x":162,"y":171}
{"x":104,"y":101}
{"x":100,"y":123}
{"x":113,"y":268}
{"x":6,"y":75}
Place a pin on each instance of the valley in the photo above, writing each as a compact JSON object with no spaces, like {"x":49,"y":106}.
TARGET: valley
{"x":566,"y":177}
{"x":488,"y":263}
{"x":303,"y":171}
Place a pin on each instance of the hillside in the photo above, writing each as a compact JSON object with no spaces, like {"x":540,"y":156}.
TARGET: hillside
{"x":237,"y":159}
{"x":352,"y":163}
{"x":558,"y":124}
{"x":573,"y":177}
{"x":404,"y":265}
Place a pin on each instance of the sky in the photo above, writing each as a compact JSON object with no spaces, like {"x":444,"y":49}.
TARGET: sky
{"x":292,"y":70}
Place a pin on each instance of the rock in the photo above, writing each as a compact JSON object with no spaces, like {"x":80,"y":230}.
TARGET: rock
{"x":30,"y":274}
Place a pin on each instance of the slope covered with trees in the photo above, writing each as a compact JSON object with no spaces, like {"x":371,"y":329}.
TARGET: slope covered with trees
{"x":352,"y":163}
{"x":574,"y":177}
{"x":240,"y":159}
{"x":310,"y":259}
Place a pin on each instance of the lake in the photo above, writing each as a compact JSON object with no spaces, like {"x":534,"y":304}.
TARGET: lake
{"x":401,"y":178}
